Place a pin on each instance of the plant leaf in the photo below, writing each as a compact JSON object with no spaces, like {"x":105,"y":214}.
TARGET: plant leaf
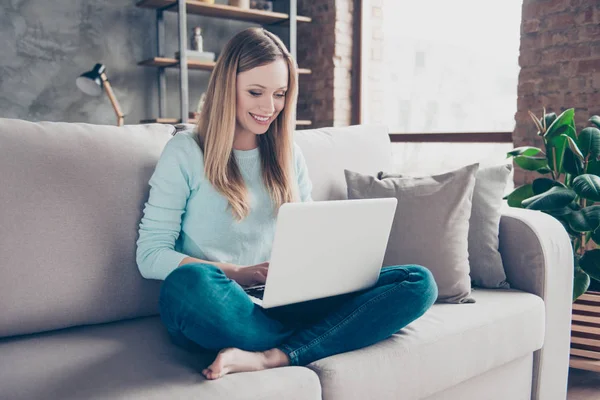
{"x":558,"y":145}
{"x":593,"y":167}
{"x":537,"y":123}
{"x":531,"y":163}
{"x":560,"y":212}
{"x":544,"y":170}
{"x":562,"y":124}
{"x":518,"y":195}
{"x":581,"y":283}
{"x":595,"y":120}
{"x":541,"y":185}
{"x":589,"y":142}
{"x":578,"y":223}
{"x":572,"y":164}
{"x":549,"y":119}
{"x":590,"y":263}
{"x":587,"y":186}
{"x":596,"y":236}
{"x":563,"y":219}
{"x":555,"y":197}
{"x":524,"y":151}
{"x":585,"y":220}
{"x":573,"y":147}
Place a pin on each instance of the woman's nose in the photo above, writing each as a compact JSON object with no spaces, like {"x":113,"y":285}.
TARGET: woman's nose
{"x":268,"y":105}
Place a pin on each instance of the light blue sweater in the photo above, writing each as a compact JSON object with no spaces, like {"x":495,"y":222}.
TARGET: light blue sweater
{"x":186,"y":216}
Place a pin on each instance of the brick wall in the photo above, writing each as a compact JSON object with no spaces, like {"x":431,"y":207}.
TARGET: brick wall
{"x":560,"y":66}
{"x":342,"y":62}
{"x":326,"y":47}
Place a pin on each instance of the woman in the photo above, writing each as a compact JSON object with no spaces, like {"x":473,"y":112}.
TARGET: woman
{"x":210,"y":218}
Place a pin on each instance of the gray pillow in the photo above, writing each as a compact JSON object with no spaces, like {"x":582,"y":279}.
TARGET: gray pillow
{"x":487,"y":270}
{"x":431,"y":224}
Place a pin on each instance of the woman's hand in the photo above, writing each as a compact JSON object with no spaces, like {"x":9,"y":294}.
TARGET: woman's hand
{"x":252,"y":275}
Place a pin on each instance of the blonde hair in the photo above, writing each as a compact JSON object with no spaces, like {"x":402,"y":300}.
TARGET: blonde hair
{"x":250,"y":48}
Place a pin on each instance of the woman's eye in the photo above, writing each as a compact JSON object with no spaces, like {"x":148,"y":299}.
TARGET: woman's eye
{"x":280,"y":95}
{"x":255,"y":94}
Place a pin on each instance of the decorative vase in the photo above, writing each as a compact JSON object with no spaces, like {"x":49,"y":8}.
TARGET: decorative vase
{"x":240,"y":3}
{"x":196,"y":39}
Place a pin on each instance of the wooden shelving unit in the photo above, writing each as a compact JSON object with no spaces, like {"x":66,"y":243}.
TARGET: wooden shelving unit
{"x":585,"y":332}
{"x":166,"y":121}
{"x":223,"y":11}
{"x":161,"y":62}
{"x":166,"y":62}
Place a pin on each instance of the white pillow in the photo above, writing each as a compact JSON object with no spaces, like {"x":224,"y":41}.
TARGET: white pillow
{"x":487,"y":270}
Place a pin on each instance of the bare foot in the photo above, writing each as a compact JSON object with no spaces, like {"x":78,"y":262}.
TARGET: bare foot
{"x":232,"y":360}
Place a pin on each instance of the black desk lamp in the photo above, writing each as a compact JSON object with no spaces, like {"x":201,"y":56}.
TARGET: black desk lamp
{"x":91,"y":83}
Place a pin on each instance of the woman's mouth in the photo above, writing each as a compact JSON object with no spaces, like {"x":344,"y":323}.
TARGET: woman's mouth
{"x":260,"y":119}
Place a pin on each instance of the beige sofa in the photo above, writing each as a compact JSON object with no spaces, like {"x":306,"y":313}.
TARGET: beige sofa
{"x":79,"y":322}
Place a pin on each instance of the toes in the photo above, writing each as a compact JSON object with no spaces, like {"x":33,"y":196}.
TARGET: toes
{"x":212,"y":374}
{"x":209,"y":374}
{"x":219,"y":366}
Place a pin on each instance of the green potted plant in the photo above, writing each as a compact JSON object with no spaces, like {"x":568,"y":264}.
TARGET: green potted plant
{"x":568,"y":187}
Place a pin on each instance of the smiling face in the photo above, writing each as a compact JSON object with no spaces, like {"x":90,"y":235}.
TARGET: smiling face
{"x":260,"y":96}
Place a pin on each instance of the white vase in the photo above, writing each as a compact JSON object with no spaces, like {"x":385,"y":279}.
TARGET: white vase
{"x":240,"y":3}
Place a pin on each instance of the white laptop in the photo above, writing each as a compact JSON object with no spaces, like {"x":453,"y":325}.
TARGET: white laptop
{"x":325,"y":248}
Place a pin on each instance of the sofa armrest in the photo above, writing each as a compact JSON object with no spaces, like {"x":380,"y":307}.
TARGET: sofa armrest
{"x":538,"y":258}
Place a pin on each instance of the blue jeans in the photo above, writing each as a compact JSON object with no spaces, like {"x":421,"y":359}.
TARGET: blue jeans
{"x":203,"y":309}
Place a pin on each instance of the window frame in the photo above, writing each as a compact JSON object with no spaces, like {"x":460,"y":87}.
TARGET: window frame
{"x":363,"y":32}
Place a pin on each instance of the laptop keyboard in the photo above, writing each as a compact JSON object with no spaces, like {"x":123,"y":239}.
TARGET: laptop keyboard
{"x":257,"y":291}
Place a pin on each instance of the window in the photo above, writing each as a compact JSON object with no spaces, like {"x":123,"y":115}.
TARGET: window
{"x":440,"y":66}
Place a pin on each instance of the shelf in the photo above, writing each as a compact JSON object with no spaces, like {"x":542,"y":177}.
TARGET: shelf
{"x":166,"y":62}
{"x":177,"y":121}
{"x":165,"y":121}
{"x":222,"y":11}
{"x":585,"y":332}
{"x":584,"y":363}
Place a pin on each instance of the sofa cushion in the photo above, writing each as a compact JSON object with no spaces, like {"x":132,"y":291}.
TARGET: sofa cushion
{"x":431,"y":224}
{"x":71,"y":199}
{"x":492,"y":385}
{"x":328,"y":151}
{"x":485,"y":260}
{"x":132,"y":360}
{"x":448,"y":345}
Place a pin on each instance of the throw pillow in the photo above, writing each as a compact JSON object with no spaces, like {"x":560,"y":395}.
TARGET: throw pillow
{"x":430,"y":226}
{"x":485,"y":261}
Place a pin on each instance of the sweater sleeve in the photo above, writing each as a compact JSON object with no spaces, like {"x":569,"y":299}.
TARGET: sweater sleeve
{"x":304,"y":182}
{"x":161,"y":223}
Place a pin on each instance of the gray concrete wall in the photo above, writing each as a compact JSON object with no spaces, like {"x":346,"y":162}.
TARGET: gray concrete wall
{"x":46,"y":44}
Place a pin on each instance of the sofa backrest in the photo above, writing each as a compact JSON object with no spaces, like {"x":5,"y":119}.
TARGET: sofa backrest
{"x":72,"y":196}
{"x":328,"y":151}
